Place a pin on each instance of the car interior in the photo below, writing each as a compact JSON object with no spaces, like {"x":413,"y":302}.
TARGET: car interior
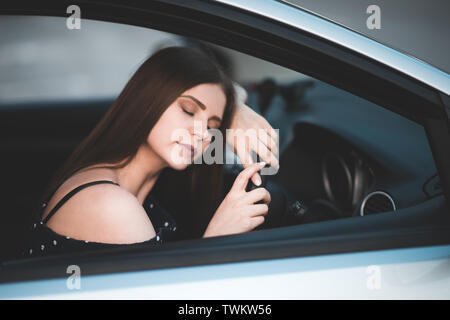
{"x":345,"y":162}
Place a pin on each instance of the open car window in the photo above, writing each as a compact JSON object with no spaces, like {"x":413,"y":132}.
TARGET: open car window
{"x":348,"y":166}
{"x":53,"y":62}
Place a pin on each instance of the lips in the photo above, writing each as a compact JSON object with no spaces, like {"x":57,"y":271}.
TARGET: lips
{"x":189,"y":148}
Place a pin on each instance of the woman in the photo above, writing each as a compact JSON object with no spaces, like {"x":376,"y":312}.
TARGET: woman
{"x":108,"y":178}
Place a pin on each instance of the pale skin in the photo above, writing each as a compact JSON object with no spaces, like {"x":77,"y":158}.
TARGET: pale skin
{"x":114,"y":214}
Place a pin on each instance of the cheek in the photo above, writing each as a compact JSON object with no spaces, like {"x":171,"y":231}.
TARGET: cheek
{"x":170,"y":128}
{"x":165,"y":127}
{"x":156,"y":142}
{"x":205,"y":145}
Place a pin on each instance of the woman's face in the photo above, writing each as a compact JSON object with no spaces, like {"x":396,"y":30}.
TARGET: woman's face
{"x":181,"y":133}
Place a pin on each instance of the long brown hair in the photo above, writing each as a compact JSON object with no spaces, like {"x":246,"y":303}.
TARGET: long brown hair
{"x":115,"y":140}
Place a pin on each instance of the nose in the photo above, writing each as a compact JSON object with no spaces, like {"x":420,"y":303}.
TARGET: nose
{"x":201,"y":130}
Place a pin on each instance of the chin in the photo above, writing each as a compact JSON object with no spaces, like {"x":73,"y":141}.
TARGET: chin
{"x":178,"y":162}
{"x":179,"y":166}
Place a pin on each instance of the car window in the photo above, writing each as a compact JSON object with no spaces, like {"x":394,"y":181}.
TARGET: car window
{"x":336,"y":149}
{"x":51,"y":62}
{"x":324,"y":130}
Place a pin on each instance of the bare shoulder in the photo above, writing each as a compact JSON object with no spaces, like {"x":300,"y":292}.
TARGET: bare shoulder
{"x":103,"y":213}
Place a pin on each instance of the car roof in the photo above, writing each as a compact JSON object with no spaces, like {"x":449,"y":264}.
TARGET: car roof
{"x":335,"y":33}
{"x":412,"y":27}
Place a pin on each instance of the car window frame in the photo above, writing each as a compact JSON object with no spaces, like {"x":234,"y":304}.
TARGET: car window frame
{"x":263,"y":39}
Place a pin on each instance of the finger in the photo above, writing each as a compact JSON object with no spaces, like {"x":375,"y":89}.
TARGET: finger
{"x":258,"y":194}
{"x":271,"y":131}
{"x":256,"y":179}
{"x":256,"y":221}
{"x":267,"y":155}
{"x":242,"y":179}
{"x":245,"y":156}
{"x":267,"y":140}
{"x":260,"y":209}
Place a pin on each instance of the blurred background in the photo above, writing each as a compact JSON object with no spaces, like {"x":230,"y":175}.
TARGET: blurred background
{"x":78,"y":63}
{"x":43,"y":59}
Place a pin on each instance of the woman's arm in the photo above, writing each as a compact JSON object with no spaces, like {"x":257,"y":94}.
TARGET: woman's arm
{"x":255,"y":134}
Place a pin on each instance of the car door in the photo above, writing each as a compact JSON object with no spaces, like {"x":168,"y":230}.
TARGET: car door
{"x":390,"y":255}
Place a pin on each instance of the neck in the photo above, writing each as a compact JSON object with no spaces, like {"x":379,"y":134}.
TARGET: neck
{"x":139,"y":176}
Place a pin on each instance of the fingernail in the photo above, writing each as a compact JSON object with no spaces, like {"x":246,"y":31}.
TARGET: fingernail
{"x":258,"y":181}
{"x":262,"y":164}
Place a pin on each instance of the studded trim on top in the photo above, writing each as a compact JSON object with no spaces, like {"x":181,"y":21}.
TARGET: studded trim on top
{"x":43,"y":240}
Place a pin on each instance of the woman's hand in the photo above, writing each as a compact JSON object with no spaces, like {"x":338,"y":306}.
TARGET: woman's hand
{"x":265,"y":144}
{"x":238,"y":212}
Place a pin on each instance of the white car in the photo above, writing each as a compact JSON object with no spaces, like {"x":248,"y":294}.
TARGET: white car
{"x":364,"y":139}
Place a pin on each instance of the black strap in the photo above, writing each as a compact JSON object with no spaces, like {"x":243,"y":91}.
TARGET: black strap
{"x":71,"y":193}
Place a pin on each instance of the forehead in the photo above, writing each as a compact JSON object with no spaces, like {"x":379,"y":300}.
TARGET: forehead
{"x":211,"y":95}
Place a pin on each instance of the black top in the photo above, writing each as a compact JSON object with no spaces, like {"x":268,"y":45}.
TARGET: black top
{"x":42,"y":240}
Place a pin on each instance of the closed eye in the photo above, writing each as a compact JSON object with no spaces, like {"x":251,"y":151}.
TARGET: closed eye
{"x":189,"y":113}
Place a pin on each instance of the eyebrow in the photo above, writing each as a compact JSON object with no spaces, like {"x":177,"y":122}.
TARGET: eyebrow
{"x":202,"y":106}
